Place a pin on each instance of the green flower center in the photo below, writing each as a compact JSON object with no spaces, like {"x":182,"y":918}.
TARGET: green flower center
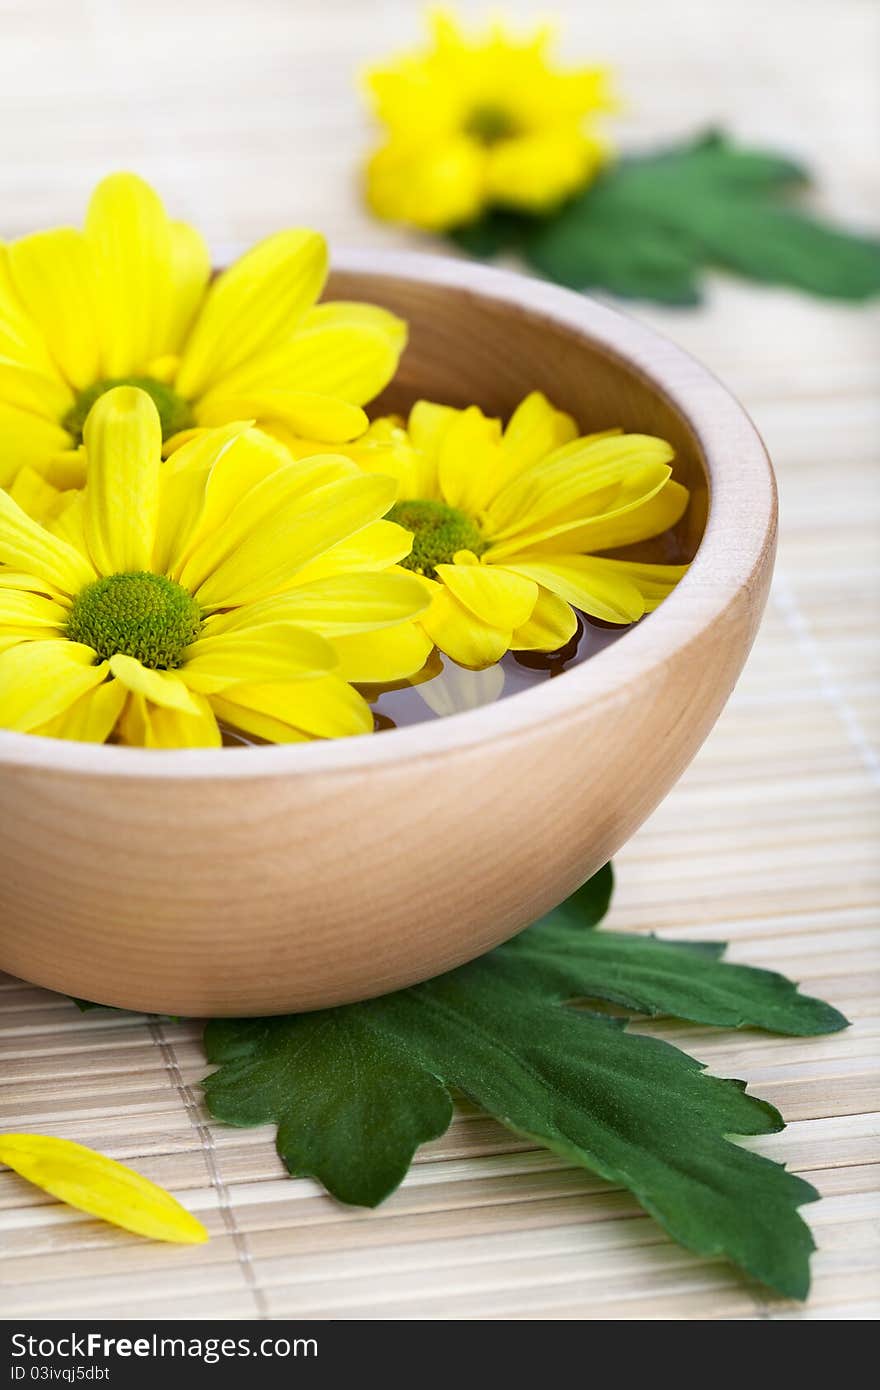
{"x":142,"y":615}
{"x":175,"y":413}
{"x":489,"y":124}
{"x":438,"y":532}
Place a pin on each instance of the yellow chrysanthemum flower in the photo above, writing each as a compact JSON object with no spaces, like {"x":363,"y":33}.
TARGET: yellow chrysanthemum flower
{"x":480,"y":122}
{"x":231,"y":583}
{"x":507,"y":524}
{"x":130,"y":300}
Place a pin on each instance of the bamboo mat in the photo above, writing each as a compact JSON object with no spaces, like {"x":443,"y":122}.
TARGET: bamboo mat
{"x":242,"y":112}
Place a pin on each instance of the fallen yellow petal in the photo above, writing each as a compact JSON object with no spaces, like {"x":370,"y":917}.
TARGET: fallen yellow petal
{"x":101,"y":1186}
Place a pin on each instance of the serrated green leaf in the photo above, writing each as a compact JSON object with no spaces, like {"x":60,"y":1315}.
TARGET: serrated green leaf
{"x":355,"y":1090}
{"x":351,"y":1101}
{"x":663,"y":977}
{"x":634,"y":1110}
{"x":652,"y":224}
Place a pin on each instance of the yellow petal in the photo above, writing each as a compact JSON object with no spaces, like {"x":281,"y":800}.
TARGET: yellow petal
{"x":654,"y":582}
{"x":343,"y":350}
{"x":145,"y":725}
{"x":321,"y":418}
{"x":54,"y":275}
{"x":15,"y":636}
{"x":183,"y":483}
{"x":247,"y":487}
{"x":496,"y":596}
{"x":28,"y":546}
{"x":436,"y":185}
{"x":385,"y":448}
{"x":323,"y":708}
{"x":100,"y":1186}
{"x":264,"y":727}
{"x":252,"y":307}
{"x":364,"y":323}
{"x":16,"y":579}
{"x":163,"y":688}
{"x":374,"y":547}
{"x":66,"y":468}
{"x":274,"y":651}
{"x":266,"y":561}
{"x":68,"y":523}
{"x":190,"y":276}
{"x":535,"y":430}
{"x":536,"y":171}
{"x":336,"y":605}
{"x":428,"y":425}
{"x":470,"y":461}
{"x":594,"y":586}
{"x":390,"y":654}
{"x":20,"y":608}
{"x":28,"y":441}
{"x":129,"y":234}
{"x":353,"y":361}
{"x":46,"y":396}
{"x":552,"y":624}
{"x":575,"y":482}
{"x":461,"y":634}
{"x":34,"y":495}
{"x":636,"y":516}
{"x":20,"y":337}
{"x":92,"y":718}
{"x":39,"y":680}
{"x":123,"y":439}
{"x":341,"y":313}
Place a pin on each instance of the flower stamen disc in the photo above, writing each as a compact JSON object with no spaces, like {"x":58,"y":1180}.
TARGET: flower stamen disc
{"x":175,"y":413}
{"x":439,"y":532}
{"x":142,"y":615}
{"x":489,"y":124}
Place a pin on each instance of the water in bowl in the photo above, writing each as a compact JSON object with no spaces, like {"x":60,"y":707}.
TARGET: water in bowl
{"x":452,"y":689}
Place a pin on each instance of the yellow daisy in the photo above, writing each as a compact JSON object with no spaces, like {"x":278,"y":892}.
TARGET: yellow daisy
{"x":231,"y":583}
{"x":507,"y":525}
{"x":130,"y":300}
{"x":480,"y":122}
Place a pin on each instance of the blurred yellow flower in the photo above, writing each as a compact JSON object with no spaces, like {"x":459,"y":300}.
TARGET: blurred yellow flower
{"x":230,"y":583}
{"x":130,"y":300}
{"x":482,"y":121}
{"x":507,"y":524}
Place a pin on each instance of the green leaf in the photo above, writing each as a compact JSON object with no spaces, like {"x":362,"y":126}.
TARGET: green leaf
{"x":663,"y":977}
{"x":351,"y":1101}
{"x":499,"y":231}
{"x":651,"y":224}
{"x":355,"y":1090}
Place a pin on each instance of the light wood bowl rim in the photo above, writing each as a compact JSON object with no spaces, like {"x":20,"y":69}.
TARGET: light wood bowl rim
{"x":740,"y":527}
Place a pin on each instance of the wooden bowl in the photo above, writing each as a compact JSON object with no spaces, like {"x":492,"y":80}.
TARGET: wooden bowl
{"x":262,"y":880}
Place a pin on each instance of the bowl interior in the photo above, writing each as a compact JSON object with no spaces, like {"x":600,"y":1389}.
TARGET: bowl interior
{"x":467,"y":348}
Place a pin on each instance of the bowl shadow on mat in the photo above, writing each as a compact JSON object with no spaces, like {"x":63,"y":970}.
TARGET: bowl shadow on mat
{"x":262,"y":880}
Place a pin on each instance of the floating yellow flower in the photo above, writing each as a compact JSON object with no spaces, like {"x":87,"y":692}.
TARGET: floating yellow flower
{"x":481,"y":122}
{"x":230,"y":583}
{"x":506,"y":524}
{"x":129,"y":300}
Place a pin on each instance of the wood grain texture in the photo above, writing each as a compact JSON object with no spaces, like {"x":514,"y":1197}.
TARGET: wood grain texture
{"x":244,"y":115}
